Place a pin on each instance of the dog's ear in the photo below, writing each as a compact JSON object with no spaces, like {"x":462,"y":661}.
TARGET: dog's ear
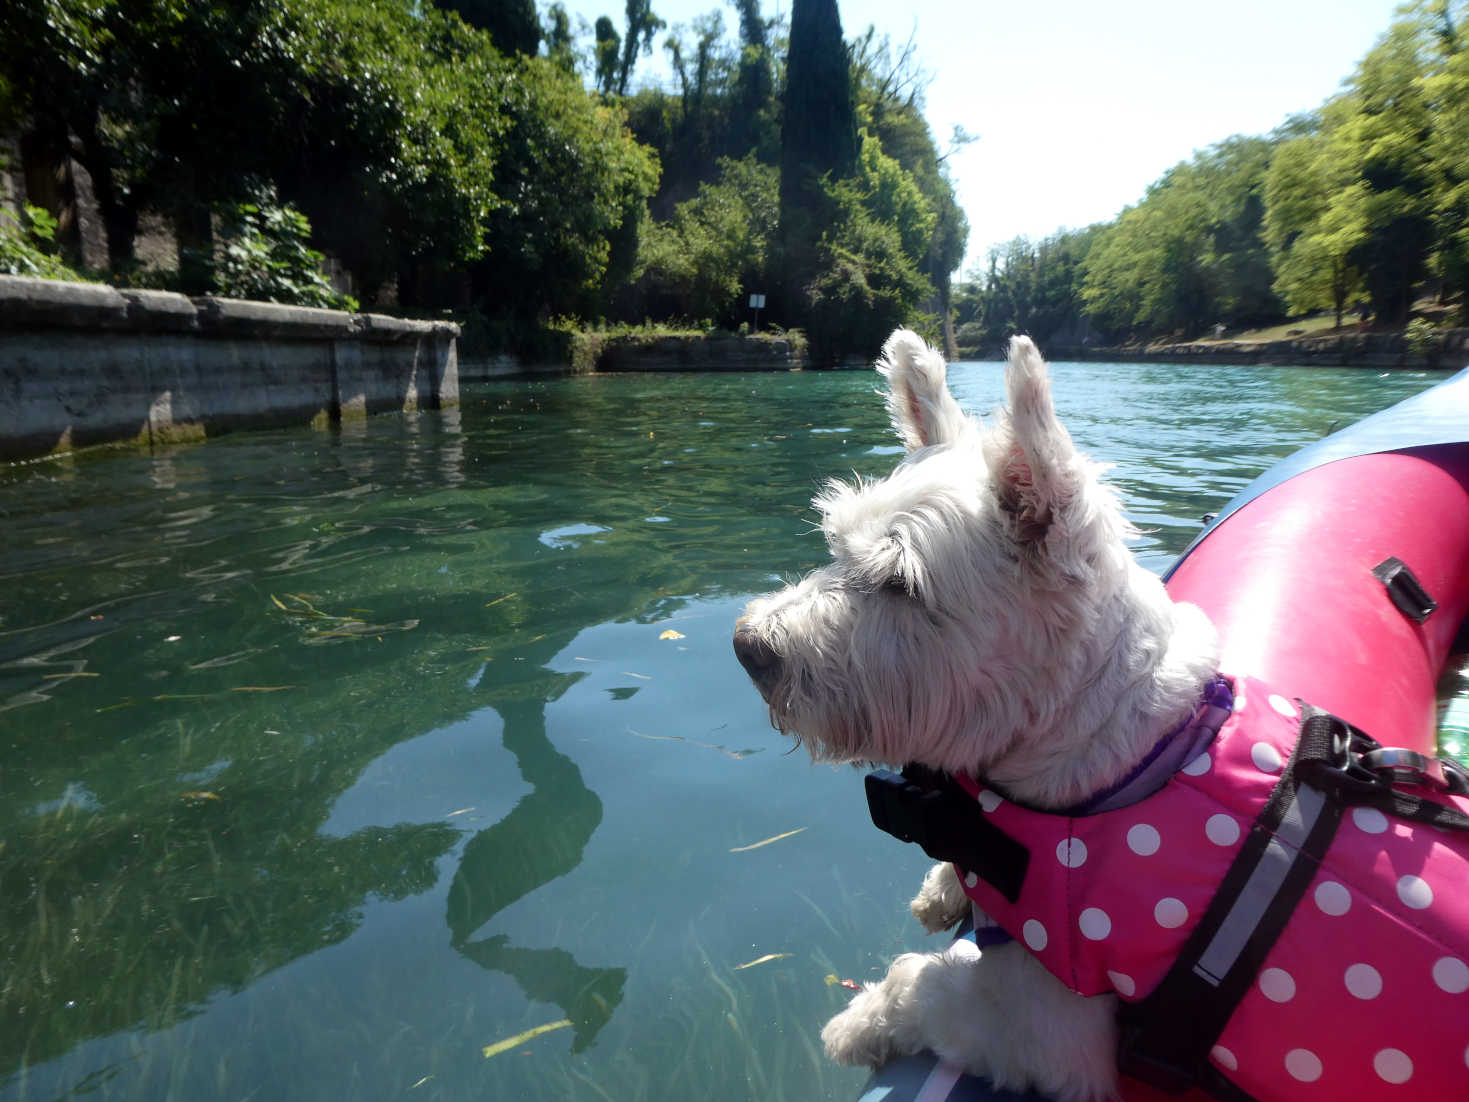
{"x":920,"y":405}
{"x":1031,"y":459}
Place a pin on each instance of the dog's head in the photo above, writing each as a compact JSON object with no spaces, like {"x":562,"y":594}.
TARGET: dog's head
{"x":974,"y":595}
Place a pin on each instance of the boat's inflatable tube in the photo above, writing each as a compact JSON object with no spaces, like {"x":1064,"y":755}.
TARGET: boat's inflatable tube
{"x":1286,"y":573}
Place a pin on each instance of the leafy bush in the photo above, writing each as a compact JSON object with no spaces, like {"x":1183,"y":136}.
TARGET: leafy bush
{"x":28,"y":244}
{"x":1422,"y":336}
{"x":264,"y":254}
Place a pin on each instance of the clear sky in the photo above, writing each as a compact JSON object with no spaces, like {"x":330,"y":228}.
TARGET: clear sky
{"x":1079,"y":105}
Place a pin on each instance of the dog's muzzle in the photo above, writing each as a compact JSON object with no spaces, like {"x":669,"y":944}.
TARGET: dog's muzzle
{"x":759,"y":659}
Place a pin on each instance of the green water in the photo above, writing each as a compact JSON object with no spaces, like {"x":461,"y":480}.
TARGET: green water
{"x":327,"y":760}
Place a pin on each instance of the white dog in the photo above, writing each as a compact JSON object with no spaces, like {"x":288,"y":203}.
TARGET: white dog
{"x":981,"y":614}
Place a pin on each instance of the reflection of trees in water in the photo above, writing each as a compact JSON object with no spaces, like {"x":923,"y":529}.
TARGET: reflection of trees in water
{"x":127,"y":905}
{"x":541,"y":839}
{"x":119,"y":921}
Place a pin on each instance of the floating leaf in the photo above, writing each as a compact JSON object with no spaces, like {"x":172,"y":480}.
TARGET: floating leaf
{"x":850,"y":985}
{"x":199,"y":796}
{"x":497,"y":600}
{"x":766,"y":842}
{"x":671,"y":634}
{"x":766,"y":959}
{"x":520,"y":1038}
{"x":259,"y":689}
{"x":736,"y":754}
{"x":59,"y":676}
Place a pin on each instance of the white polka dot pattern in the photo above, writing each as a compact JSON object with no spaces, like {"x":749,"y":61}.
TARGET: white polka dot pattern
{"x":1170,"y":913}
{"x":1071,"y":852}
{"x":1283,"y":706}
{"x":1332,"y":898}
{"x":1363,"y":981}
{"x":1199,"y":765}
{"x":1369,"y":820}
{"x":970,"y":879}
{"x":1303,"y":1065}
{"x":1393,"y":1066}
{"x":1144,"y":840}
{"x":1222,"y":830}
{"x":1277,"y":985}
{"x":1034,"y":933}
{"x":1415,"y":892}
{"x":1110,"y":913}
{"x":989,"y":801}
{"x":1094,"y":924}
{"x":1451,"y":974}
{"x":1267,"y":758}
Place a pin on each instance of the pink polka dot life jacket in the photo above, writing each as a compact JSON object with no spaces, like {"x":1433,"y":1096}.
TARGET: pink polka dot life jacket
{"x":1364,"y":989}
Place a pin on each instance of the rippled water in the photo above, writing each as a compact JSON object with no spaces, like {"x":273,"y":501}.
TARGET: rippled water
{"x":329,"y":760}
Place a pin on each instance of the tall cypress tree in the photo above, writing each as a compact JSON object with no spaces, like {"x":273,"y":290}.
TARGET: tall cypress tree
{"x":818,"y":136}
{"x":819,"y":130}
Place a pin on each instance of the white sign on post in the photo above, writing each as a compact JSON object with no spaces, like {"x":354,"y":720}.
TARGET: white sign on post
{"x":757,"y":302}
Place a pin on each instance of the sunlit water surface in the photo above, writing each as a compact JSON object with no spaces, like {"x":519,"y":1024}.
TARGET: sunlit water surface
{"x":329,"y":761}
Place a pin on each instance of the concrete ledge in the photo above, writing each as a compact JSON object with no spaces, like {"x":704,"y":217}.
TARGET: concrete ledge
{"x":48,"y":303}
{"x":161,"y":311}
{"x":84,"y":364}
{"x":271,"y":319}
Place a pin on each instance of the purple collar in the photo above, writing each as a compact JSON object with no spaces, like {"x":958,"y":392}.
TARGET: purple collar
{"x":1169,"y":754}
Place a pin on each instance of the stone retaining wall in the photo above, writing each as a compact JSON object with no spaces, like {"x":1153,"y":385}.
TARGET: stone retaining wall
{"x":87,"y":364}
{"x":590,"y":352}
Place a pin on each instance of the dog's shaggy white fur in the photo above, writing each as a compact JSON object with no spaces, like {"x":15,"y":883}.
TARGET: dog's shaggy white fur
{"x":981,"y":613}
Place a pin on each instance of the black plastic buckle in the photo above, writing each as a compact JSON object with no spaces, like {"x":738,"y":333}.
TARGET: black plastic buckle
{"x":1338,"y":766}
{"x":1406,"y":591}
{"x":928,"y":807}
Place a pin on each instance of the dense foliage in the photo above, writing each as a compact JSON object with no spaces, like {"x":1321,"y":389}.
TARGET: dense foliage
{"x":1362,"y":206}
{"x":264,"y":255}
{"x":471,"y":154}
{"x":481,"y":156}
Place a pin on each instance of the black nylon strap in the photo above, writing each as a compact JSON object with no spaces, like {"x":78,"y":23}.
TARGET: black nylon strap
{"x":1166,"y":1037}
{"x":929,"y":807}
{"x":1327,"y":758}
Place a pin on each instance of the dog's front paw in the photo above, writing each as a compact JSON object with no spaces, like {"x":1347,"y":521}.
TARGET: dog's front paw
{"x":856,"y":1038}
{"x":941,"y":902}
{"x":881,"y":1021}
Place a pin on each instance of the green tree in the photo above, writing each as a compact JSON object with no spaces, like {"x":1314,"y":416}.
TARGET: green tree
{"x":642,"y":25}
{"x":1314,"y":222}
{"x":1032,"y":288}
{"x":511,"y":24}
{"x":889,"y":86}
{"x":1384,"y":126}
{"x":608,"y":47}
{"x":578,"y":185}
{"x":265,"y":255}
{"x":868,"y":274}
{"x":1190,"y":254}
{"x":715,"y":249}
{"x":560,"y":42}
{"x":818,"y":143}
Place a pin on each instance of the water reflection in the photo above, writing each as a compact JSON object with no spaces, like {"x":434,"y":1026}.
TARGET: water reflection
{"x":306,"y":790}
{"x":543,"y":838}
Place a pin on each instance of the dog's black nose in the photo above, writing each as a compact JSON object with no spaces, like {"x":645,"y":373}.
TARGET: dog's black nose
{"x":756,"y":655}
